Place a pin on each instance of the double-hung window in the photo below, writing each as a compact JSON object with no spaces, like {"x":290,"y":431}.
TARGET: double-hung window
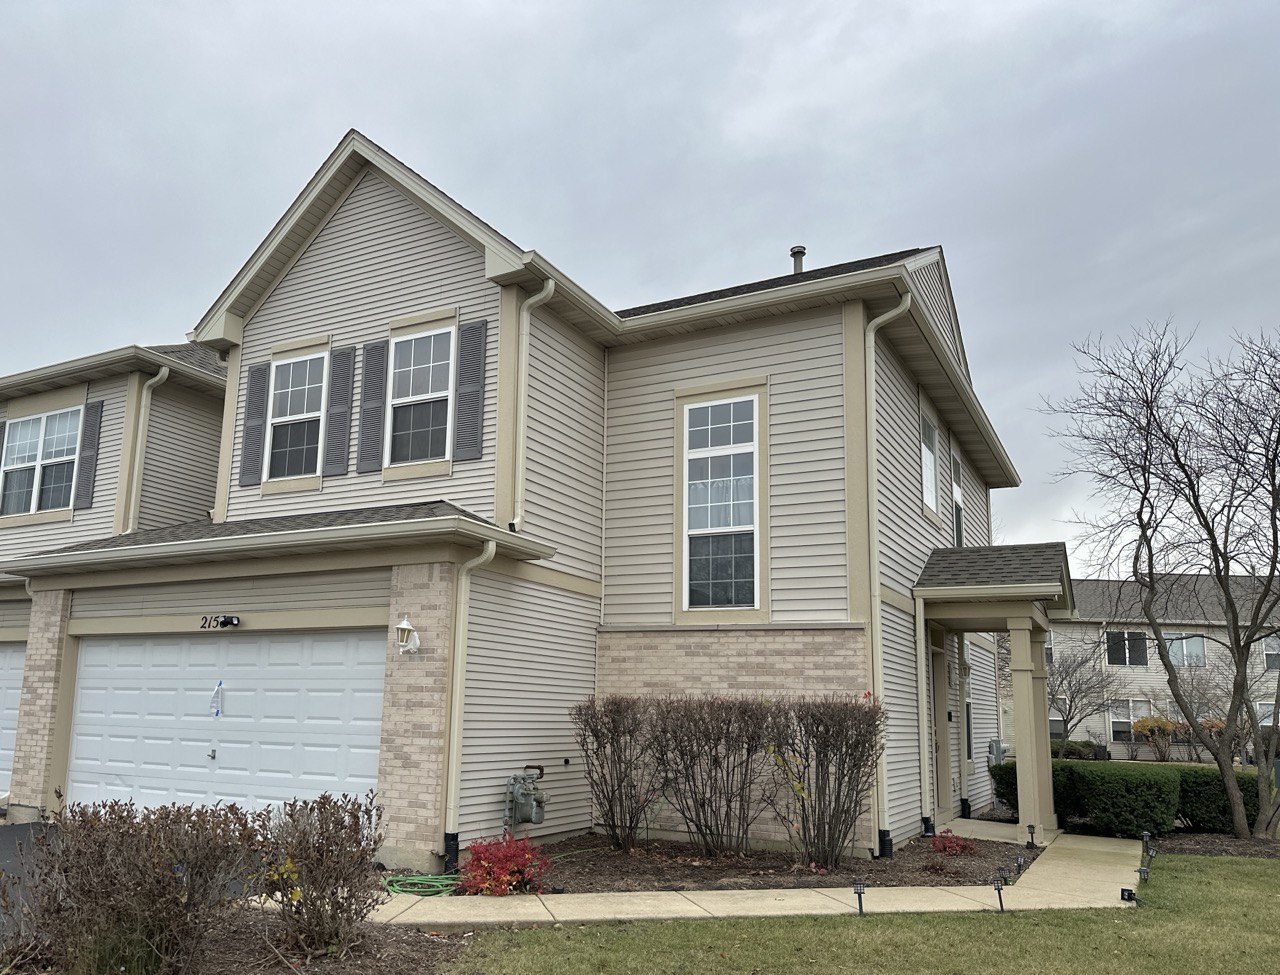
{"x":721,"y":537}
{"x":1185,"y":649}
{"x":1126,"y":649}
{"x":1048,"y":648}
{"x":421,"y":387}
{"x":297,"y":399}
{"x":1271,"y":652}
{"x":38,"y":463}
{"x":1124,"y":713}
{"x":957,"y":503}
{"x":929,"y":461}
{"x":1057,"y":722}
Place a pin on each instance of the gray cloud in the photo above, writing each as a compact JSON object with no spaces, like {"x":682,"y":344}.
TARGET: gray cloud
{"x":1086,"y":166}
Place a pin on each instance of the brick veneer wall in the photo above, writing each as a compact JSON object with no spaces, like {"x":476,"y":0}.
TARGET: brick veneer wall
{"x":764,"y":661}
{"x":415,"y":702}
{"x":44,"y":670}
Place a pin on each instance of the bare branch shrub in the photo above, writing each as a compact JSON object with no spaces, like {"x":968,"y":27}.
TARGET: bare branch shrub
{"x":712,"y":752}
{"x":826,"y":750}
{"x":615,"y":734}
{"x":1079,"y":686}
{"x":109,"y":887}
{"x":318,"y":869}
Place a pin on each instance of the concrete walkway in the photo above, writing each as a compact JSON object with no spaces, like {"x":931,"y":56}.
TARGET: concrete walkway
{"x":1073,"y":872}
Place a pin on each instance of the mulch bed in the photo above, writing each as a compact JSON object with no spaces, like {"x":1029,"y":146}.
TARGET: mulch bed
{"x":587,"y":864}
{"x":1215,"y":845}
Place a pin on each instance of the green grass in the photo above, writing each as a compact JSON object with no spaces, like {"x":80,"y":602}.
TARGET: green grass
{"x":1199,"y":914}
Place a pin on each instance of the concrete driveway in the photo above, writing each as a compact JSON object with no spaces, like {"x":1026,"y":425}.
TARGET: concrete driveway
{"x":11,"y":835}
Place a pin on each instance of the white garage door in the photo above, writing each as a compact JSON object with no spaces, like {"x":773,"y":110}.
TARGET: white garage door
{"x":300,"y":714}
{"x":11,"y":657}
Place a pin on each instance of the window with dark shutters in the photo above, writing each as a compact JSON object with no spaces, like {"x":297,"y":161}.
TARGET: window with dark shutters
{"x":337,"y":430}
{"x":87,"y":468}
{"x":468,"y":429}
{"x":255,"y":424}
{"x":373,"y":407}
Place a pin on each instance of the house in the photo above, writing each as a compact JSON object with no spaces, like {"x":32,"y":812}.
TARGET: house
{"x":456,"y":494}
{"x":1112,"y":627}
{"x":117,"y":442}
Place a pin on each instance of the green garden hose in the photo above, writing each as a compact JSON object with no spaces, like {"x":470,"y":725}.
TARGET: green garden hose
{"x":437,"y":884}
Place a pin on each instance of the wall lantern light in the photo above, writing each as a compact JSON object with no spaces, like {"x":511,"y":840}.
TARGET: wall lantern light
{"x":406,"y":636}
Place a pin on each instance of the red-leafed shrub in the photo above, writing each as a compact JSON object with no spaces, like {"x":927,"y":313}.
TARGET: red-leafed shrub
{"x":950,"y":845}
{"x":503,"y":866}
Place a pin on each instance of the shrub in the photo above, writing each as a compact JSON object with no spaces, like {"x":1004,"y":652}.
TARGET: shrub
{"x":1078,"y":750}
{"x":108,"y":887}
{"x":615,"y":735}
{"x":503,"y":866}
{"x":1111,"y":798}
{"x":1157,"y":732}
{"x":318,"y":869}
{"x":825,"y":750}
{"x":1203,"y":804}
{"x":1005,"y":783}
{"x":711,"y":751}
{"x":948,"y":844}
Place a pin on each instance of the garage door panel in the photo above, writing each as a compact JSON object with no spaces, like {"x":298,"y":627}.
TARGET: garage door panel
{"x":301,"y":715}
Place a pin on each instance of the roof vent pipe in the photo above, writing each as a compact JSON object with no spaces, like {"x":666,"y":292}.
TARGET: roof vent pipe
{"x":797,"y":258}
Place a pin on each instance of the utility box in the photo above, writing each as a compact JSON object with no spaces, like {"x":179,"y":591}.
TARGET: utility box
{"x":526,"y":801}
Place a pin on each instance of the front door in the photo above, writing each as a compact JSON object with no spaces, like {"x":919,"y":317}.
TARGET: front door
{"x":941,"y":740}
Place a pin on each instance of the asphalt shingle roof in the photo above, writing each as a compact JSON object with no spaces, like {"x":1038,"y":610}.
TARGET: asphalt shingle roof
{"x":995,"y":565}
{"x":192,"y":354}
{"x":206,"y":530}
{"x":1184,"y":598}
{"x":767,"y":284}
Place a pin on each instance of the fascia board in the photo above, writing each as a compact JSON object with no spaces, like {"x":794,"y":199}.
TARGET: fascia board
{"x":128,"y":359}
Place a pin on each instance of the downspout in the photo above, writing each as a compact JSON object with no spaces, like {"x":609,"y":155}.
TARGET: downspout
{"x":139,"y":455}
{"x":880,"y":813}
{"x":457,"y":700}
{"x":924,"y":720}
{"x":962,"y":658}
{"x":522,"y":394}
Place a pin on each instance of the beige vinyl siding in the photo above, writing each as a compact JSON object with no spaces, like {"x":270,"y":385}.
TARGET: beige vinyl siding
{"x":14,"y":613}
{"x":353,"y":589}
{"x":530,"y":658}
{"x":564,"y":490}
{"x":977,"y":504}
{"x":180,"y":467}
{"x":91,"y":523}
{"x":803,"y":358}
{"x":908,"y":532}
{"x":381,"y":256}
{"x":982,"y":692}
{"x":955,"y":713}
{"x":933,"y":294}
{"x":902,"y":733}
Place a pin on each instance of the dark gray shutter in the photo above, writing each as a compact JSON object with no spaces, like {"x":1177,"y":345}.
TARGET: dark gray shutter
{"x":337,"y":429}
{"x":468,"y":416}
{"x":373,"y":407}
{"x":1137,"y":649}
{"x":1115,"y":648}
{"x":255,"y":424}
{"x":87,"y":467}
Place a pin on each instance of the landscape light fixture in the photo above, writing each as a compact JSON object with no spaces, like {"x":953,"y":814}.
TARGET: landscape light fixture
{"x":1144,"y":873}
{"x":998,"y":886}
{"x":406,"y":636}
{"x":1003,"y":873}
{"x":1146,"y":840}
{"x":859,"y":888}
{"x":1022,"y":864}
{"x":1031,"y":832}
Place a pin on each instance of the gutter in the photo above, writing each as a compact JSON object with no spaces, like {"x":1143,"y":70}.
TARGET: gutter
{"x":290,"y":541}
{"x":457,"y":701}
{"x":127,"y":359}
{"x":139,"y":455}
{"x":880,"y":812}
{"x":522,"y":395}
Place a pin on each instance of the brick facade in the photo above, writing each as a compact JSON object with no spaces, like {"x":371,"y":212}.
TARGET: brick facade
{"x":415,"y":701}
{"x":46,"y":672}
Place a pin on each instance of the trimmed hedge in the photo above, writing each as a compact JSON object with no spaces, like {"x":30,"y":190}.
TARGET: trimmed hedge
{"x":1204,"y":806}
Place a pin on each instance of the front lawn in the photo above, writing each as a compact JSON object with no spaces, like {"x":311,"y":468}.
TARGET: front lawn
{"x":1199,"y":914}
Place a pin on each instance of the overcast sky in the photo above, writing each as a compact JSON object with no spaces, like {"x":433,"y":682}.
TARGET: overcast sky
{"x":1086,"y":166}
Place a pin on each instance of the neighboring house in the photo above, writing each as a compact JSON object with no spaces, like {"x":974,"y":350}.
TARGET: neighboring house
{"x":777,"y":487}
{"x":1113,"y":627}
{"x":117,"y":442}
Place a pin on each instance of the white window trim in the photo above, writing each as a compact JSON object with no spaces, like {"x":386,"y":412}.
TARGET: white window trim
{"x":40,"y":463}
{"x":1178,"y":641}
{"x":1112,"y":719}
{"x":755,"y":497}
{"x":448,"y":397}
{"x":272,"y":419}
{"x":1127,"y":655}
{"x":925,"y":418}
{"x":957,"y":501}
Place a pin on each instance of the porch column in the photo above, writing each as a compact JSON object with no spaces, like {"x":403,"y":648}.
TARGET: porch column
{"x":1040,"y":678}
{"x":1034,"y":771}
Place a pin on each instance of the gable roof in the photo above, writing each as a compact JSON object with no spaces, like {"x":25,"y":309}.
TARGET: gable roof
{"x":1182,"y":598}
{"x":1040,"y":571}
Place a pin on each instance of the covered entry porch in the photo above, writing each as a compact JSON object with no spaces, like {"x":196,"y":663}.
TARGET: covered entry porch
{"x":1016,"y":590}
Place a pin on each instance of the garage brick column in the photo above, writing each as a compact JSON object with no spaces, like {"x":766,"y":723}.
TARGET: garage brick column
{"x":44,"y":709}
{"x":415,"y":698}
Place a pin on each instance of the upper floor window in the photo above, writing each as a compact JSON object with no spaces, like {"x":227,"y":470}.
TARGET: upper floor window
{"x":297,"y":399}
{"x":957,"y":503}
{"x":929,"y":461}
{"x":1185,"y":649}
{"x":421,"y":387}
{"x":721,"y":503}
{"x":38,"y":464}
{"x":1271,"y":653}
{"x":1126,"y":649}
{"x":1048,"y":648}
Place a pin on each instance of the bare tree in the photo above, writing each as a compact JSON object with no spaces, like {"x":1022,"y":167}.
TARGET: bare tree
{"x":1080,"y":687}
{"x":1185,"y":462}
